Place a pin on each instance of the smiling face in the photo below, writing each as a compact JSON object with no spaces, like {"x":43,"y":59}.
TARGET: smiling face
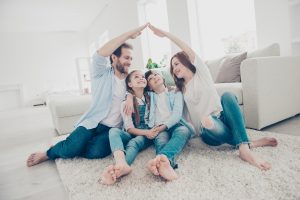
{"x":123,"y":62}
{"x":155,"y":80}
{"x":178,"y":69}
{"x":136,"y":80}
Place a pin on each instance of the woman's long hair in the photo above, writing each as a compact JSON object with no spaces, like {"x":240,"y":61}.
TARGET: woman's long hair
{"x":185,"y":60}
{"x":135,"y":103}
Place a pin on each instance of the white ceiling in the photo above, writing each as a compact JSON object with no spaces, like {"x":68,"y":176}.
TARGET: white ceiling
{"x":48,"y":15}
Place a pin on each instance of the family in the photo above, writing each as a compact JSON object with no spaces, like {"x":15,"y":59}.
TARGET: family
{"x":131,"y":111}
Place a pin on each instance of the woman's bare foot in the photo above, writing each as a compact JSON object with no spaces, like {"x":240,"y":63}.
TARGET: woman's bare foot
{"x":108,"y":176}
{"x":265,"y":141}
{"x":152,"y":166}
{"x":36,"y":158}
{"x":248,"y":156}
{"x":122,"y":169}
{"x":165,"y":169}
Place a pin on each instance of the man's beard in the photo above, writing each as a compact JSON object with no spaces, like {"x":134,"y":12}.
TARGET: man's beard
{"x":121,"y":69}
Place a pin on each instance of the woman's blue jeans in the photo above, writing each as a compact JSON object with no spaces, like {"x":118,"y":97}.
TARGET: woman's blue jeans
{"x":134,"y":144}
{"x":171,"y":142}
{"x":229,"y":127}
{"x":82,"y":142}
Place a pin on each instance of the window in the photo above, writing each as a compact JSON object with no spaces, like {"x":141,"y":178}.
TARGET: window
{"x":223,"y":27}
{"x":158,"y":49}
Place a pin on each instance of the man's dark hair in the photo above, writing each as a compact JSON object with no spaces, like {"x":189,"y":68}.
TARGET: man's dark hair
{"x":118,"y":51}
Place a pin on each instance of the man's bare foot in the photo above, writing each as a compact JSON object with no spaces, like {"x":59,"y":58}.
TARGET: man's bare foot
{"x":108,"y":176}
{"x":122,"y":169}
{"x":151,"y":165}
{"x":36,"y":158}
{"x":265,"y":141}
{"x":248,"y":156}
{"x":165,"y":169}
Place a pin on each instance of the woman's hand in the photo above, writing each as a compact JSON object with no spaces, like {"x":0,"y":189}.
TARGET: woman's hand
{"x":157,"y":31}
{"x":128,"y":108}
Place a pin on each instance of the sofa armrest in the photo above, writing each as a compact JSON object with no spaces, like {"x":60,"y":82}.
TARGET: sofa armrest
{"x":270,"y":89}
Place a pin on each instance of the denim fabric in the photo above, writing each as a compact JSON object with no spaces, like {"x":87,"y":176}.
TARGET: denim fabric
{"x":229,"y":127}
{"x":134,"y":144}
{"x":87,"y":143}
{"x":172,"y":141}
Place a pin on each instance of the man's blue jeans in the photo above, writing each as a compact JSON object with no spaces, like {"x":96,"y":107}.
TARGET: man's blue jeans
{"x":134,"y":144}
{"x":82,"y":142}
{"x":171,"y":142}
{"x":229,"y":127}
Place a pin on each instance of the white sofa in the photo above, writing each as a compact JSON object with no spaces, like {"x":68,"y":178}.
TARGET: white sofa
{"x":268,"y":93}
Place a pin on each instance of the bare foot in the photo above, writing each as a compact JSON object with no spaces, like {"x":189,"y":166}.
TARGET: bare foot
{"x":248,"y":156}
{"x":122,"y":169}
{"x":164,"y":168}
{"x":108,"y":176}
{"x":152,"y":167}
{"x":36,"y":158}
{"x":265,"y":141}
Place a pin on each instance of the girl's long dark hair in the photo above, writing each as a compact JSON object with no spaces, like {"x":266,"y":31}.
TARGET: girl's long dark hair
{"x":185,"y":60}
{"x":135,"y":103}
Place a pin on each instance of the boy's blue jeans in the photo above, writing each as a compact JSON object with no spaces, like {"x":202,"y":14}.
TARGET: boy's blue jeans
{"x":229,"y":127}
{"x":134,"y":144}
{"x":171,"y":142}
{"x":87,"y":143}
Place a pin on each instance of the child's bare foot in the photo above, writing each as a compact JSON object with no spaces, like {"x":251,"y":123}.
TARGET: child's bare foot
{"x":152,"y":166}
{"x":36,"y":158}
{"x":265,"y":141}
{"x":248,"y":156}
{"x":108,"y":176}
{"x":165,"y":170}
{"x":122,"y":169}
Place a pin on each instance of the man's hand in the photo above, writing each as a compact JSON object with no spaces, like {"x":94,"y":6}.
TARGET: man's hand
{"x":136,"y":32}
{"x":157,"y":31}
{"x":128,"y":108}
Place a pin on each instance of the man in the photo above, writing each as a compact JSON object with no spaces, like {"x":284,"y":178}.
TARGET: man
{"x":90,"y":138}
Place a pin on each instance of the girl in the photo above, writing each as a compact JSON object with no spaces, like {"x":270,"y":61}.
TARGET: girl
{"x":136,"y":134}
{"x":219,"y":120}
{"x":166,"y":115}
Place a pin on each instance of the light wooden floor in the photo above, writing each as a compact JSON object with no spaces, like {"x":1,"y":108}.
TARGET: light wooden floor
{"x":25,"y":131}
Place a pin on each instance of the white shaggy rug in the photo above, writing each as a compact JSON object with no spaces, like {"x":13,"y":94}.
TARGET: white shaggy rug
{"x":205,"y":173}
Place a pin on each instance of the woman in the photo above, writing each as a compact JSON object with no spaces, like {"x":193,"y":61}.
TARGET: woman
{"x":136,"y":134}
{"x":218,"y":120}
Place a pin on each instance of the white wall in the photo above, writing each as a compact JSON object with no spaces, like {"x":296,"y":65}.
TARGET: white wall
{"x":179,"y":21}
{"x":41,"y":62}
{"x":272,"y":24}
{"x":118,"y":17}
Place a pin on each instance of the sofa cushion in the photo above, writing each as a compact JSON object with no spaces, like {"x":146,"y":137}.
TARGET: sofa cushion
{"x":215,"y":65}
{"x":66,"y":106}
{"x":235,"y":88}
{"x":271,"y":50}
{"x":230,"y":69}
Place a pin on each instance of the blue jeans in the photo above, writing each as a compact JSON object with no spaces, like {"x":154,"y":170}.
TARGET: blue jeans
{"x":229,"y":127}
{"x":82,"y":142}
{"x":134,"y":144}
{"x":171,"y":142}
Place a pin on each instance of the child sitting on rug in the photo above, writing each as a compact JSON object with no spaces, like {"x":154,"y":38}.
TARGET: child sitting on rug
{"x":136,"y":134}
{"x":166,"y":114}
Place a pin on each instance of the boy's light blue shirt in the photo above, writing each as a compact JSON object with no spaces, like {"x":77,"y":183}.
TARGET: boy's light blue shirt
{"x":175,"y":104}
{"x":102,"y":77}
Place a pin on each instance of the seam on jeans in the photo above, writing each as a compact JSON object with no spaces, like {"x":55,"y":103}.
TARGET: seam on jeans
{"x":119,"y":150}
{"x":238,"y":145}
